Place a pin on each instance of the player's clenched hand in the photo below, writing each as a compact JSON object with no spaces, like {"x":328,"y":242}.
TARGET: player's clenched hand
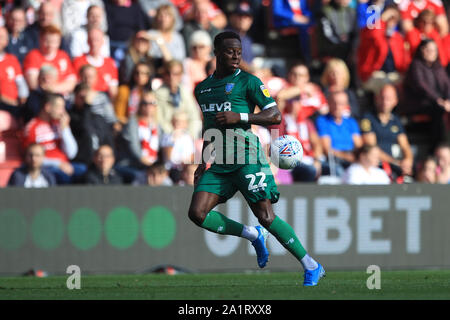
{"x":227,"y":118}
{"x":199,"y":172}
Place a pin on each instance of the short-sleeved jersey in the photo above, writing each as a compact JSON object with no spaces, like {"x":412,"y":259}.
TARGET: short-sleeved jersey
{"x":9,"y":71}
{"x":239,"y":92}
{"x":107,"y":73}
{"x":35,"y":60}
{"x":387,"y":134}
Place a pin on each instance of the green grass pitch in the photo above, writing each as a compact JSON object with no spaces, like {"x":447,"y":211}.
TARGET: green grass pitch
{"x":430,"y":284}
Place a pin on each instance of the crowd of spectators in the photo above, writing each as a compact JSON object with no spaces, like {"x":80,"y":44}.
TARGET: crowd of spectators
{"x":101,"y":92}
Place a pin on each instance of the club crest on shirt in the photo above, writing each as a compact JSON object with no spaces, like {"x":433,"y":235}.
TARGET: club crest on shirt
{"x":229,"y":87}
{"x":265,"y":91}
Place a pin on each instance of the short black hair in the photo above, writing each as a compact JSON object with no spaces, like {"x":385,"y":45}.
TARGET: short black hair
{"x":218,"y":40}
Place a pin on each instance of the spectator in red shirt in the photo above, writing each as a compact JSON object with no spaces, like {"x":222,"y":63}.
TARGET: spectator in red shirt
{"x":49,"y":53}
{"x":12,"y":83}
{"x":51,"y":129}
{"x":425,"y":29}
{"x":301,"y":91}
{"x":382,"y":57}
{"x":410,"y":9}
{"x":107,"y":73}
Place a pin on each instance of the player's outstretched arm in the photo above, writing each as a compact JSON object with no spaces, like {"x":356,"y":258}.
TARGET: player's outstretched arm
{"x":267,"y":117}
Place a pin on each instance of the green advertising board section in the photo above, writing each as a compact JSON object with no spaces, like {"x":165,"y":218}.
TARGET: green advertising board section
{"x":133,"y":229}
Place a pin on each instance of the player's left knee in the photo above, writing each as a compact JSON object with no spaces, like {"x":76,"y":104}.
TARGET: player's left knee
{"x":265,"y":218}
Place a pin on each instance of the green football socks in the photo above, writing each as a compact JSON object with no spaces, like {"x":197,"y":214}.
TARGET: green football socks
{"x":218,"y":223}
{"x":286,"y":236}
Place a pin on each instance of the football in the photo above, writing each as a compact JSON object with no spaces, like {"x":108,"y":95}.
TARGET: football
{"x":286,"y":152}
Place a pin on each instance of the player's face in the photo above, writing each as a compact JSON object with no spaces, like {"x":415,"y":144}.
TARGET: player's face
{"x":229,"y":55}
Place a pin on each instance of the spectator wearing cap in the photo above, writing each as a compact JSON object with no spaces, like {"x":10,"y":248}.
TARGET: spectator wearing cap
{"x":240,"y":21}
{"x":107,"y":73}
{"x":199,"y":55}
{"x":49,"y":53}
{"x":78,"y":38}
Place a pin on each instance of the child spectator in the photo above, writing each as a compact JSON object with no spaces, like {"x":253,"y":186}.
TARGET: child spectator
{"x":32,"y":174}
{"x":178,"y":145}
{"x":365,"y":170}
{"x":443,"y":161}
{"x":427,"y":171}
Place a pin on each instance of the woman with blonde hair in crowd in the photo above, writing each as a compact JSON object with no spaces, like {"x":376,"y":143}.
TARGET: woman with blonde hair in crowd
{"x":336,"y":77}
{"x":166,"y":42}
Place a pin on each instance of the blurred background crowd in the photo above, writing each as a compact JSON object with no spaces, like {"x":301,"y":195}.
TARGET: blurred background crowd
{"x":101,"y":92}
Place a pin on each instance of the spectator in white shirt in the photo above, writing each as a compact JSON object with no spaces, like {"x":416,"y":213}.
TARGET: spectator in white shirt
{"x":366,"y":170}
